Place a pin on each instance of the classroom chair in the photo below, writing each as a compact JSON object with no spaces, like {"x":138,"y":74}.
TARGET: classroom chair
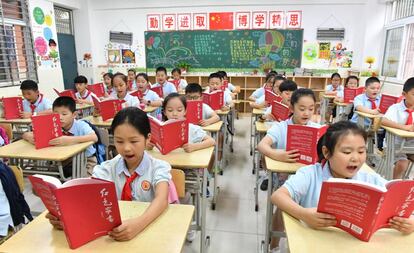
{"x":18,"y":174}
{"x":9,"y":130}
{"x":178,"y":177}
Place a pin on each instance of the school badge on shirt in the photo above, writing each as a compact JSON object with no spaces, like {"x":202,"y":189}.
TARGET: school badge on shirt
{"x":145,"y":185}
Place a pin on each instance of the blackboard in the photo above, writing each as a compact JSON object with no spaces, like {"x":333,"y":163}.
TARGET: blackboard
{"x":256,"y":49}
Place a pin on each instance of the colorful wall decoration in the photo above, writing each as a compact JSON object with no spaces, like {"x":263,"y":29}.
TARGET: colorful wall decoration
{"x":326,"y":55}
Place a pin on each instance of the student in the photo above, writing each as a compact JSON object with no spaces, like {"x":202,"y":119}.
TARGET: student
{"x":83,"y":95}
{"x":131,"y":170}
{"x":132,"y":85}
{"x":368,"y":102}
{"x":400,"y":116}
{"x":261,"y":102}
{"x":34,"y":103}
{"x":269,"y":82}
{"x":193,"y":91}
{"x":286,"y":89}
{"x":230,"y":86}
{"x":119,"y":82}
{"x":6,"y":221}
{"x":150,"y":98}
{"x":107,"y":77}
{"x":214,"y":82}
{"x":335,"y":86}
{"x":176,"y":75}
{"x":161,"y":76}
{"x":350,"y":82}
{"x":74,"y":131}
{"x":342,"y":152}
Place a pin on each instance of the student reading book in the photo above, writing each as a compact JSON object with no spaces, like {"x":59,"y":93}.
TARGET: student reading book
{"x":342,"y":152}
{"x":88,"y":201}
{"x":161,"y":76}
{"x":132,"y":85}
{"x":286,"y":89}
{"x":137,"y":176}
{"x":119,"y":82}
{"x":335,"y":87}
{"x":368,"y":102}
{"x":107,"y":109}
{"x":46,"y":128}
{"x":262,"y":102}
{"x":214,"y":99}
{"x":214,"y":82}
{"x":98,"y":89}
{"x":269,"y":82}
{"x":227,"y":84}
{"x":193,"y":91}
{"x":13,"y":107}
{"x":181,"y":83}
{"x":386,"y":101}
{"x":351,"y":82}
{"x":83,"y":95}
{"x":150,"y":98}
{"x":34,"y":102}
{"x":107,"y":79}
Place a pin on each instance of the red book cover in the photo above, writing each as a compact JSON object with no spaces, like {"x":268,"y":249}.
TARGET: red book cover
{"x":280,"y":111}
{"x":214,"y":99}
{"x":13,"y":106}
{"x":137,"y":94}
{"x":87,"y":207}
{"x":386,"y":101}
{"x":109,"y":108}
{"x":168,"y":135}
{"x":270,"y":96}
{"x":158,"y":90}
{"x":361,"y":208}
{"x":221,"y":20}
{"x":351,"y":93}
{"x":194,"y":111}
{"x":97,"y":88}
{"x":176,"y":82}
{"x":305,"y":139}
{"x":66,"y":93}
{"x":225,"y":85}
{"x":46,"y":128}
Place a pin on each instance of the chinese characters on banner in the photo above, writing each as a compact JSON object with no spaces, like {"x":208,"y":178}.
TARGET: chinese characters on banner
{"x":225,"y":21}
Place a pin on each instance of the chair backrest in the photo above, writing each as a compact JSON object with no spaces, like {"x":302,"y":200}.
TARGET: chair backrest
{"x":18,"y":174}
{"x":9,"y":130}
{"x":178,"y":177}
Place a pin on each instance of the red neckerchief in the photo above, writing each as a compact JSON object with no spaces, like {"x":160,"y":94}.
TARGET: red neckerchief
{"x":87,"y":94}
{"x":33,"y":106}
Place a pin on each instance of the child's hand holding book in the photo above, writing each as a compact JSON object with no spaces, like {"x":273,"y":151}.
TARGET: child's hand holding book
{"x":404,"y":225}
{"x":290,"y":156}
{"x":25,"y":115}
{"x":56,"y":223}
{"x":62,"y":141}
{"x":316,"y":220}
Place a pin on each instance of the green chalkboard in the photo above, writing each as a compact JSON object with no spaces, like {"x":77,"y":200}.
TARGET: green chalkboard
{"x":225,"y":49}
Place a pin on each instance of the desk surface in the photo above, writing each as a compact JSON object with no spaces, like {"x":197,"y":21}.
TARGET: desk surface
{"x":304,"y":239}
{"x":16,"y":121}
{"x":97,"y":121}
{"x":262,"y":127}
{"x":369,"y":115}
{"x":150,"y":109}
{"x":341,"y":103}
{"x":23,"y":149}
{"x":180,"y":159}
{"x":258,"y":111}
{"x":213,"y":127}
{"x":166,"y":234}
{"x":399,"y":132}
{"x":328,"y":96}
{"x":83,"y":106}
{"x":220,"y":112}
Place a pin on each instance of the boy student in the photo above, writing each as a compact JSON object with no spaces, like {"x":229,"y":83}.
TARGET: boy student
{"x":161,"y":76}
{"x":74,"y":131}
{"x":214,"y":83}
{"x":34,"y":103}
{"x":276,"y":81}
{"x":233,"y":89}
{"x":368,"y":102}
{"x":286,"y":89}
{"x":83,"y":96}
{"x":193,"y":91}
{"x":400,"y":116}
{"x":269,"y":81}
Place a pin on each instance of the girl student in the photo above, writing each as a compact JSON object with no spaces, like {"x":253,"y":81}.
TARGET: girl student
{"x":269,"y":82}
{"x":107,"y":78}
{"x":342,"y":152}
{"x":120,"y":84}
{"x":137,"y":176}
{"x":181,"y":83}
{"x":350,"y":82}
{"x":335,"y":86}
{"x":261,"y":102}
{"x":132,"y":85}
{"x":150,"y":98}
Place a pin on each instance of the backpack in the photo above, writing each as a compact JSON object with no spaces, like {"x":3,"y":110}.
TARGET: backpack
{"x":99,"y":146}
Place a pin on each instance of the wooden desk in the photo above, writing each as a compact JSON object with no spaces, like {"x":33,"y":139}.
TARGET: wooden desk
{"x":22,"y":150}
{"x":255,"y":114}
{"x":301,"y":239}
{"x":16,"y":121}
{"x":344,"y":107}
{"x":213,"y":127}
{"x":325,"y":99}
{"x":21,"y":126}
{"x":98,"y":122}
{"x":166,"y":234}
{"x":84,"y":110}
{"x":149,"y":109}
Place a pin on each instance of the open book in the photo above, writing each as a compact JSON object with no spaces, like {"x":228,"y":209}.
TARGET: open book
{"x":194,"y":111}
{"x":66,"y":93}
{"x":158,"y":90}
{"x":13,"y":107}
{"x":98,"y":89}
{"x":386,"y":101}
{"x":351,"y":93}
{"x":168,"y":135}
{"x":46,"y":128}
{"x":270,"y":96}
{"x":361,"y":208}
{"x":107,"y":108}
{"x":224,"y":85}
{"x":280,"y":111}
{"x":214,"y":99}
{"x":87,"y":207}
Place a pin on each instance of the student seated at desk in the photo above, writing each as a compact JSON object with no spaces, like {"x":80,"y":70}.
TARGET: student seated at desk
{"x":34,"y":103}
{"x":137,"y":176}
{"x":233,"y":89}
{"x":150,"y":98}
{"x":269,"y":83}
{"x":214,"y":83}
{"x":176,"y":75}
{"x":193,"y":91}
{"x":74,"y":131}
{"x":83,"y":95}
{"x":335,"y":87}
{"x":261,"y":102}
{"x":350,"y":82}
{"x":342,"y":152}
{"x":120,"y":84}
{"x":400,"y":116}
{"x":107,"y":77}
{"x":161,"y":76}
{"x":132,"y":85}
{"x":286,"y":90}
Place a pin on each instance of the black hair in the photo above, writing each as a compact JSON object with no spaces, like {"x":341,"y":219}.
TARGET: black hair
{"x":67,"y":102}
{"x":371,"y":80}
{"x":335,"y":74}
{"x":272,"y":72}
{"x":351,"y":77}
{"x":134,"y":117}
{"x":145,"y":76}
{"x":161,"y":69}
{"x":80,"y":79}
{"x":280,"y":78}
{"x":168,"y":98}
{"x":52,"y":42}
{"x":29,"y":85}
{"x":288,"y":85}
{"x":121,"y":75}
{"x":214,"y":75}
{"x":408,"y":85}
{"x":193,"y":88}
{"x":132,"y":70}
{"x":222,"y":73}
{"x":303,"y":92}
{"x":334,"y":133}
{"x":176,"y":70}
{"x":110,"y":75}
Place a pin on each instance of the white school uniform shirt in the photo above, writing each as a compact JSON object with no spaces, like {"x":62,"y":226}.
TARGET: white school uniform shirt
{"x":196,"y":134}
{"x":150,"y":95}
{"x":260,"y":100}
{"x":278,"y":132}
{"x":231,"y":87}
{"x":87,"y":98}
{"x":330,"y":88}
{"x":109,"y":91}
{"x":397,"y":114}
{"x":151,"y":171}
{"x":305,"y":186}
{"x":207,"y":111}
{"x":167,"y":88}
{"x":131,"y":101}
{"x":1,"y":141}
{"x":259,"y":92}
{"x":183,"y":83}
{"x":134,"y":85}
{"x":42,"y":104}
{"x":81,"y":128}
{"x":5,"y":216}
{"x":227,"y":97}
{"x":363,"y":100}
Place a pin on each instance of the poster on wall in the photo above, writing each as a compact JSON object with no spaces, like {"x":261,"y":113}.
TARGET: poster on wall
{"x":43,"y":25}
{"x":324,"y":50}
{"x":310,"y":53}
{"x":326,"y":55}
{"x":114,"y":56}
{"x":128,"y":56}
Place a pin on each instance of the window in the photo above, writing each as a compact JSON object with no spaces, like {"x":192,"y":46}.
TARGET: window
{"x":393,"y":45}
{"x":409,"y":54}
{"x":17,"y":60}
{"x":63,"y":20}
{"x":402,"y":9}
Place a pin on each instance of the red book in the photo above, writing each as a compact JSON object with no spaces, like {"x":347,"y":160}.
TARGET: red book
{"x":386,"y":101}
{"x":87,"y":207}
{"x":46,"y":128}
{"x":66,"y":93}
{"x":351,"y":93}
{"x":130,"y":84}
{"x":214,"y":99}
{"x":168,"y":135}
{"x":194,"y":111}
{"x":108,"y":108}
{"x":176,"y":82}
{"x":270,"y":96}
{"x":225,"y":85}
{"x":305,"y":139}
{"x":158,"y":90}
{"x":361,"y":208}
{"x":98,"y":89}
{"x":13,"y":106}
{"x":280,"y":111}
{"x":137,"y":94}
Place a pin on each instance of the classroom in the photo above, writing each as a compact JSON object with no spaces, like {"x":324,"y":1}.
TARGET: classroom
{"x":207,"y":126}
